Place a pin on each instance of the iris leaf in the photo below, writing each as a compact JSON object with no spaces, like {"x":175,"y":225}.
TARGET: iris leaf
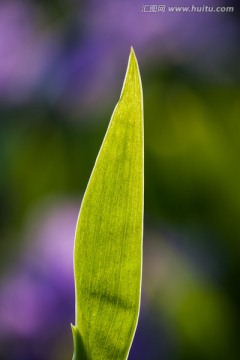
{"x":108,"y":243}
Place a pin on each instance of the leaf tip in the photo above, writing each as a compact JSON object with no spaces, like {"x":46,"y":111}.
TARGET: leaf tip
{"x":79,"y":349}
{"x":132,"y":79}
{"x":132,"y":57}
{"x":132,"y":52}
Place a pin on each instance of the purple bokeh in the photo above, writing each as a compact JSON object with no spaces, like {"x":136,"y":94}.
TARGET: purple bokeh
{"x":72,"y":66}
{"x":26,"y":50}
{"x":95,"y":62}
{"x":37,"y":297}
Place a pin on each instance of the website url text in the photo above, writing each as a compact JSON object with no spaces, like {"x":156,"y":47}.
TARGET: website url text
{"x":190,"y":9}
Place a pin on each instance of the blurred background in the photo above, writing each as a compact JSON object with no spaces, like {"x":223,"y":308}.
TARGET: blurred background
{"x":62,"y":65}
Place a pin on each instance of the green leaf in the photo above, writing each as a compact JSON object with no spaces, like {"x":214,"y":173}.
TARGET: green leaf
{"x":108,"y":243}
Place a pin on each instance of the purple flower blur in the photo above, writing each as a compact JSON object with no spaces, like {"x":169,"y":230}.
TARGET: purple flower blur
{"x":70,"y":66}
{"x":26,"y":49}
{"x":37,"y":297}
{"x":94,"y":62}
